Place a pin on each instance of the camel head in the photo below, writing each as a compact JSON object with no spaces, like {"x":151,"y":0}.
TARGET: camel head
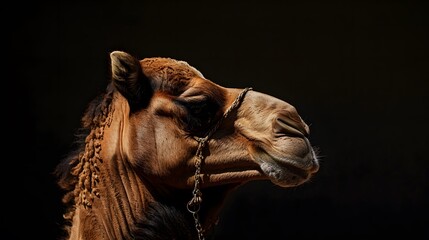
{"x":168,"y":103}
{"x":163,"y":133}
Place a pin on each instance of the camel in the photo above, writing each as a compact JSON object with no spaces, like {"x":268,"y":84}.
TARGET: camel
{"x":162,"y":147}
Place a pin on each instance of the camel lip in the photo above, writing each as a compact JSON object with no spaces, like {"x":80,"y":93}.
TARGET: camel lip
{"x":285,"y":171}
{"x":307,"y":162}
{"x":286,"y":165}
{"x":294,"y":169}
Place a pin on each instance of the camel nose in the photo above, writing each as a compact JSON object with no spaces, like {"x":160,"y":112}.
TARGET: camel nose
{"x":290,"y":123}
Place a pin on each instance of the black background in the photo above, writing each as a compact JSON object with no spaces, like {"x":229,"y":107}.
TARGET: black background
{"x":357,"y":71}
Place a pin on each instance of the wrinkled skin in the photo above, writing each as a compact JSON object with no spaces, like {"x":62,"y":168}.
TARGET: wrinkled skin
{"x":148,"y":149}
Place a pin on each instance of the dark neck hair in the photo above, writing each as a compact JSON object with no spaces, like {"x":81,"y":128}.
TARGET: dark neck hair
{"x":164,"y":222}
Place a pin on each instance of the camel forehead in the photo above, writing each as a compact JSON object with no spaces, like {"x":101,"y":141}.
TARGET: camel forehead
{"x":168,"y":69}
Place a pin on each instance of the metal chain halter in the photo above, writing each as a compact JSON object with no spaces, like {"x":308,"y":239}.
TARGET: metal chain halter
{"x":194,"y":204}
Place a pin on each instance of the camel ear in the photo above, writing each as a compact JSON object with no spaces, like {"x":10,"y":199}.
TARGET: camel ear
{"x":128,"y":77}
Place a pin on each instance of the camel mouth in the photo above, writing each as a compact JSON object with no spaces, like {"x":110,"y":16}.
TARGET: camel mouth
{"x":285,"y":170}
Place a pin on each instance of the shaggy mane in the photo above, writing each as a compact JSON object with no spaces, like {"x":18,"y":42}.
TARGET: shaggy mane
{"x":68,"y":172}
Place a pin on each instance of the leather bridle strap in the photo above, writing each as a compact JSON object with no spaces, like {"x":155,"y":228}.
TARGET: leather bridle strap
{"x":194,"y":204}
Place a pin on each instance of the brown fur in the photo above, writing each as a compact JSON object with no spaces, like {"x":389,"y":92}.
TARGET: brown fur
{"x":134,"y":161}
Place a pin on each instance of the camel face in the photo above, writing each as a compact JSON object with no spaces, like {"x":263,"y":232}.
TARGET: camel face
{"x":162,"y":133}
{"x":172,"y":103}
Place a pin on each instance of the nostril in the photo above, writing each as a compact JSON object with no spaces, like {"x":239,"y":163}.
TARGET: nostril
{"x":289,"y":126}
{"x":285,"y":128}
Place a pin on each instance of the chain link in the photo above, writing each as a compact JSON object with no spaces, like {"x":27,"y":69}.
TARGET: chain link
{"x":194,"y":205}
